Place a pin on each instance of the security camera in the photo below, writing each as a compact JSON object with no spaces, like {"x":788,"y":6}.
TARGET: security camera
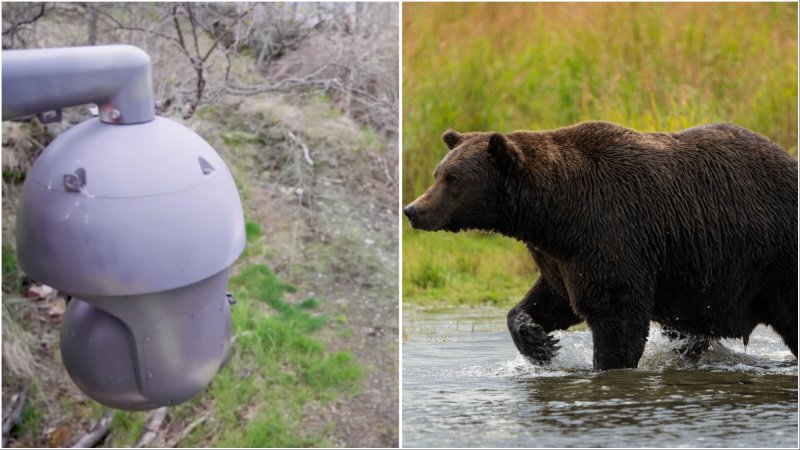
{"x":136,"y":218}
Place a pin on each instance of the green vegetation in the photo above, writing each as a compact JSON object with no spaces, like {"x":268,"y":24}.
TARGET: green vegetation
{"x":127,"y":427}
{"x":505,"y":67}
{"x":471,"y":269}
{"x":370,"y":140}
{"x":10,"y":270}
{"x":29,"y":423}
{"x":252,"y":231}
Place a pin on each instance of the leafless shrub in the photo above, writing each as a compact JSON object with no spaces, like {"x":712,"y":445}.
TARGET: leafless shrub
{"x":348,"y":50}
{"x":16,"y":18}
{"x":354,"y":61}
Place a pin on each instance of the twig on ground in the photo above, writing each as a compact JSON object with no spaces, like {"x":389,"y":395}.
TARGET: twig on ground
{"x":302,"y":145}
{"x":98,"y":433}
{"x":15,"y":415}
{"x":293,"y":248}
{"x":153,"y":426}
{"x":186,"y":431}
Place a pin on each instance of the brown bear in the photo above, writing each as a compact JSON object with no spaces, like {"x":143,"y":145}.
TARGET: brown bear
{"x":696,"y":230}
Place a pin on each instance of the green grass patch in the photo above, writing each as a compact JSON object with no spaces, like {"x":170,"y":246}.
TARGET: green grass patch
{"x":428,"y":275}
{"x":238,"y":138}
{"x":370,"y":140}
{"x":14,"y":175}
{"x":11,"y":274}
{"x":267,"y":431}
{"x":466,"y":269}
{"x":252,"y":231}
{"x":253,"y":245}
{"x":128,"y":427}
{"x":30,"y":422}
{"x":324,"y":99}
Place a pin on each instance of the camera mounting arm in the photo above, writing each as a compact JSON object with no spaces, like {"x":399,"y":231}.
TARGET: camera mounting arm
{"x":115,"y":77}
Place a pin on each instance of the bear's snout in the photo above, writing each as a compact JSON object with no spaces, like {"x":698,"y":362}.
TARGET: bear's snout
{"x":410,"y":211}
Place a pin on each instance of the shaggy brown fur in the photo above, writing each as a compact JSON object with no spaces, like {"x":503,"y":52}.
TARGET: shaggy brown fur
{"x":696,"y":230}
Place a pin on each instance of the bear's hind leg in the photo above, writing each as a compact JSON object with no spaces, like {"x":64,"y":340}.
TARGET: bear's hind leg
{"x":540,"y":312}
{"x":782,"y":317}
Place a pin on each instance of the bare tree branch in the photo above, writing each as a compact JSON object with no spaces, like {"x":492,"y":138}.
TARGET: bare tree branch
{"x":98,"y":433}
{"x":15,"y":414}
{"x":193,"y":23}
{"x":153,"y":426}
{"x":302,"y":145}
{"x":119,"y":25}
{"x":186,"y":431}
{"x":17,"y":25}
{"x":180,"y":40}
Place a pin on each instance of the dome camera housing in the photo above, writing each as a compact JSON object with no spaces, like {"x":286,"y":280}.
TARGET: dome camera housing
{"x":139,"y":223}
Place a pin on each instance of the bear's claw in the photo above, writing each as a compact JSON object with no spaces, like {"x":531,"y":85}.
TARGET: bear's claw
{"x":532,"y":341}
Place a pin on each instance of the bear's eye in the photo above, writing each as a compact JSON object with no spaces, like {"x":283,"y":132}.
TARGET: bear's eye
{"x":450,"y":179}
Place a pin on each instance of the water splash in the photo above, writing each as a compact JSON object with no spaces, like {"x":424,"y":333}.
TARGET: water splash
{"x":766,"y":355}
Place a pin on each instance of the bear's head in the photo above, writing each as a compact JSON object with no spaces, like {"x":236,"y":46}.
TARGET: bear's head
{"x":471,"y":184}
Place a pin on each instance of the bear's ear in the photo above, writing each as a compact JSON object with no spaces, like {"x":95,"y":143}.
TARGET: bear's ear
{"x":504,"y":152}
{"x":452,"y":138}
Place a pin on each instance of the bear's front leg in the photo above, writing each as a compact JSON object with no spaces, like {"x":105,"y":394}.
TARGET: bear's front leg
{"x":540,"y":312}
{"x":620,"y":322}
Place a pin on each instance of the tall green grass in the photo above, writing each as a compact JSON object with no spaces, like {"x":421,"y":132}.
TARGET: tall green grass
{"x":506,"y":67}
{"x":478,"y":270}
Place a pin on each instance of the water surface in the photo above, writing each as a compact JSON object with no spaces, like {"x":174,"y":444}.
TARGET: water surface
{"x":465,"y":385}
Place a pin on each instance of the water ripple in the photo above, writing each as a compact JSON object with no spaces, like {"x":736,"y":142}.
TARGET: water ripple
{"x":466,"y":386}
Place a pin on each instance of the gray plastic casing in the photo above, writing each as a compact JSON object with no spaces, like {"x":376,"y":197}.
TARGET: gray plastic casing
{"x":148,"y":218}
{"x":146,"y":351}
{"x":144,"y":248}
{"x":137,"y":219}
